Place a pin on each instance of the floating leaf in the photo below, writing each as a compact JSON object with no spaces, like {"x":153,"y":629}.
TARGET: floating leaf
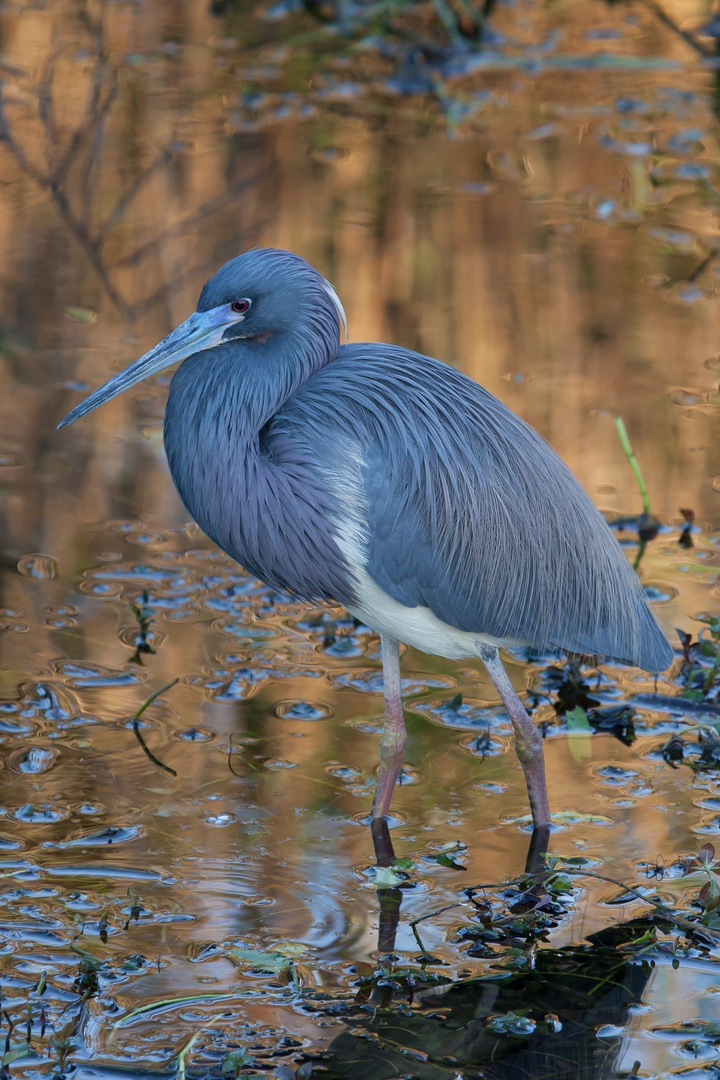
{"x":81,"y":314}
{"x":19,"y":1050}
{"x":387,"y":878}
{"x":447,"y":860}
{"x":577,"y":722}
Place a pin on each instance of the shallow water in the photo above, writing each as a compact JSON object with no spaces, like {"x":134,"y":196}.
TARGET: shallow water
{"x":552,"y":233}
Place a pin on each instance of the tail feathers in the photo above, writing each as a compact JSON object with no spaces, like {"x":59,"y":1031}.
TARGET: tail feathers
{"x":654,"y":652}
{"x":642,"y":644}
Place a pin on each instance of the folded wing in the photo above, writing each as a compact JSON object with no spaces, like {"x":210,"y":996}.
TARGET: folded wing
{"x":465,"y":509}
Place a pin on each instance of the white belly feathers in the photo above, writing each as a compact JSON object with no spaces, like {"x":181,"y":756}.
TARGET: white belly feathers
{"x":415,"y":626}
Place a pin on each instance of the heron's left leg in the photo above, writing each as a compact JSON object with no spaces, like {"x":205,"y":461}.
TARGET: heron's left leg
{"x":528,"y":740}
{"x":392,"y":745}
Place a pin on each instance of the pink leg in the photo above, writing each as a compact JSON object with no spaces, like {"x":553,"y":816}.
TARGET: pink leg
{"x":394,"y":736}
{"x":528,"y":741}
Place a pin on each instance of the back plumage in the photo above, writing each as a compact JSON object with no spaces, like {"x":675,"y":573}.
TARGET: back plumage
{"x":468,"y":511}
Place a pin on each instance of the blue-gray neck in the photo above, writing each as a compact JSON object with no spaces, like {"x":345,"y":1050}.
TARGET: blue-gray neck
{"x":232,"y":391}
{"x":250,"y":489}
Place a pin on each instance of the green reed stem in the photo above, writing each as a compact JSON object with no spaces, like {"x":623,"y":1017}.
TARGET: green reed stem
{"x":630,"y":455}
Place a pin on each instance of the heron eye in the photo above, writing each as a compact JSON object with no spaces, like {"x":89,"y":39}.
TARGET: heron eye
{"x":240,"y":306}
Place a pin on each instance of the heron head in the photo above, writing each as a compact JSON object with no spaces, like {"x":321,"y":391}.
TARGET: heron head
{"x":261,"y":296}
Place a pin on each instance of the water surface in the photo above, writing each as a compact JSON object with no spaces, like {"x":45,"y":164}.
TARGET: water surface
{"x":551,"y":230}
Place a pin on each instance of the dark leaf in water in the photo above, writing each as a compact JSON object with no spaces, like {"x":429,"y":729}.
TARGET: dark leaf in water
{"x":446,"y":860}
{"x":571,"y":689}
{"x":481,"y":744}
{"x":618,"y":720}
{"x":673,"y":751}
{"x":685,"y":539}
{"x":686,"y":642}
{"x":615,"y":937}
{"x":648,"y":527}
{"x":710,"y":756}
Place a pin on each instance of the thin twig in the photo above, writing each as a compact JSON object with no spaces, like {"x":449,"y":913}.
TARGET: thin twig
{"x":116,"y":214}
{"x":702,"y":266}
{"x":46,"y":105}
{"x":687,"y":37}
{"x":417,"y":937}
{"x":432,"y":914}
{"x":52,"y":184}
{"x":136,"y":728}
{"x":212,"y":206}
{"x":661,"y":908}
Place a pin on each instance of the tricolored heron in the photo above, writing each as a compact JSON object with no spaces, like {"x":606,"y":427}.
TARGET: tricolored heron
{"x":386,"y":481}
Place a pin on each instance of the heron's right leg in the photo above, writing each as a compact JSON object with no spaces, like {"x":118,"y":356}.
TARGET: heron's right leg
{"x":392,"y":745}
{"x":528,"y":740}
{"x":389,"y":899}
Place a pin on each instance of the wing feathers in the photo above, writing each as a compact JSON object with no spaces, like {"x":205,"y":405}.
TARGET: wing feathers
{"x":468,"y":511}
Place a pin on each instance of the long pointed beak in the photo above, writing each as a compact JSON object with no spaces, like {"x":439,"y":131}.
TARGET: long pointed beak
{"x":203,"y":330}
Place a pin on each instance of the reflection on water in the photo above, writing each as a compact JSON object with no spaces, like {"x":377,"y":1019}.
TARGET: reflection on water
{"x":554,"y":234}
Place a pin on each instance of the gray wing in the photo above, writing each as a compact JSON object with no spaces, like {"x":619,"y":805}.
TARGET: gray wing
{"x":471,"y":513}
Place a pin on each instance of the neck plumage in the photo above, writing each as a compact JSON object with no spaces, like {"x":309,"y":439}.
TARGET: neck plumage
{"x":256,"y":497}
{"x":236,"y":388}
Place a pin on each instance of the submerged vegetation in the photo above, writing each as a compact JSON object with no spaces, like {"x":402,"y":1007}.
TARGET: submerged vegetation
{"x":536,"y":1003}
